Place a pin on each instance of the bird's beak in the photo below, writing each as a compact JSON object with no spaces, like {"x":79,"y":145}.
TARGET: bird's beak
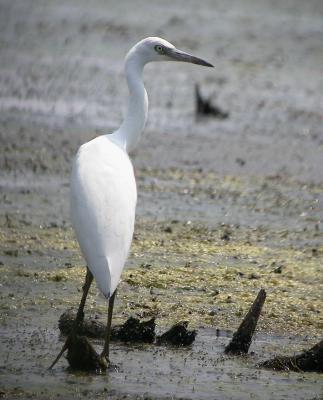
{"x":178,"y":55}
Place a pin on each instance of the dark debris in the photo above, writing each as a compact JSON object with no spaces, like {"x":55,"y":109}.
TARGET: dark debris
{"x":82,"y":356}
{"x":309,"y":361}
{"x":177,"y":335}
{"x":133,"y":330}
{"x":204,"y":107}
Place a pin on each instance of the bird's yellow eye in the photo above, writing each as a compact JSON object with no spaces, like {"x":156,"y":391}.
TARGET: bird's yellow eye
{"x":159,"y":49}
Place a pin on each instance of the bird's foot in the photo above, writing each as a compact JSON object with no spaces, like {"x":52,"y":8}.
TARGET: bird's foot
{"x":109,"y":366}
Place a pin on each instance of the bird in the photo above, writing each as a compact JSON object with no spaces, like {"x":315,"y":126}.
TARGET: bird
{"x":103,"y":191}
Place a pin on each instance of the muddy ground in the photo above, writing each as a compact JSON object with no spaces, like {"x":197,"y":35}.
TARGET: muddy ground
{"x":225,"y":207}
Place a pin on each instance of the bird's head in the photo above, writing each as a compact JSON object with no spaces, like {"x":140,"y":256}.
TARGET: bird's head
{"x":157,"y":49}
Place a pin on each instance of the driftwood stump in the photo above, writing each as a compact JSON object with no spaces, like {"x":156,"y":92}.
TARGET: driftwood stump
{"x":309,"y":361}
{"x":241,"y":340}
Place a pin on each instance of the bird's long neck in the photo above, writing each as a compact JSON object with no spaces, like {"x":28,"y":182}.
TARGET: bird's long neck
{"x":130,"y":131}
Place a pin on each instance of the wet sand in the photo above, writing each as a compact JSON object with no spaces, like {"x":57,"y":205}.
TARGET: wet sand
{"x":224,"y":208}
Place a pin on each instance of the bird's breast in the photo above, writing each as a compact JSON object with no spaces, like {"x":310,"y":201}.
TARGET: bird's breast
{"x":103,"y":202}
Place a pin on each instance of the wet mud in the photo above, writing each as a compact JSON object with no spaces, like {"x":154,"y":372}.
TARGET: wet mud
{"x":225,"y":207}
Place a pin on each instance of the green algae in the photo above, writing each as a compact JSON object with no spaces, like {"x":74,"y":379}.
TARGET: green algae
{"x":183,"y":273}
{"x":193,"y":293}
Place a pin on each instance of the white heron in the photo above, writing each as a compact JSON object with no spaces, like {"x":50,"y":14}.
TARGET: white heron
{"x":103,"y":186}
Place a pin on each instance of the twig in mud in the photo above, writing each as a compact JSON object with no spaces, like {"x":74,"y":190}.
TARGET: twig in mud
{"x":241,"y":340}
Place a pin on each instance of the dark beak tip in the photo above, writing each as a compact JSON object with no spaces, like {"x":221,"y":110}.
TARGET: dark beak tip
{"x":202,"y":62}
{"x":206,"y":64}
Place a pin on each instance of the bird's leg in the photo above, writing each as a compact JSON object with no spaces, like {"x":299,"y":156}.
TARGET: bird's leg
{"x":80,"y":312}
{"x":79,"y":316}
{"x":105,"y":352}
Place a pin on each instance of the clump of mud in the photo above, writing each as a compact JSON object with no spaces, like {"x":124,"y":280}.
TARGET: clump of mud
{"x":133,"y":330}
{"x":310,"y":360}
{"x":90,"y":327}
{"x":177,"y":335}
{"x":82,"y":356}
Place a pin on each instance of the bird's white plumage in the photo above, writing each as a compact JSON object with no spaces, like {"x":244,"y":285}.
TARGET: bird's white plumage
{"x":103,"y":202}
{"x":103,"y":187}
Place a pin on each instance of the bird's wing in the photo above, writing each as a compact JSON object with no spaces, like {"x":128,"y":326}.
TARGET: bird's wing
{"x":103,"y":202}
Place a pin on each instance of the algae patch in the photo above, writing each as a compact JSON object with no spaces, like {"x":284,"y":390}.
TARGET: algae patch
{"x":177,"y":272}
{"x":219,"y":296}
